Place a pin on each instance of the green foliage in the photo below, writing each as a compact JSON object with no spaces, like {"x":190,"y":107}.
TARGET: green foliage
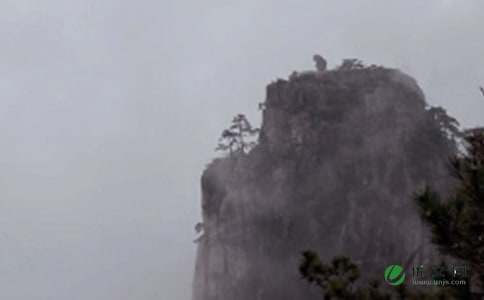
{"x":458,"y":223}
{"x":341,"y":267}
{"x":239,"y":137}
{"x":339,"y":280}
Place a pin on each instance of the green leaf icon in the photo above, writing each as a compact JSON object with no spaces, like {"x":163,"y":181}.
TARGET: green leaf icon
{"x":394,"y":274}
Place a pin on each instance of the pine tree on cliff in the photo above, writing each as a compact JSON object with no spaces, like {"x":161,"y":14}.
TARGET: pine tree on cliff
{"x":238,"y":138}
{"x":458,"y":223}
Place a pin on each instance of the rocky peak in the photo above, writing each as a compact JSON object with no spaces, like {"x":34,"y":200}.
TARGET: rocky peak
{"x":340,"y":154}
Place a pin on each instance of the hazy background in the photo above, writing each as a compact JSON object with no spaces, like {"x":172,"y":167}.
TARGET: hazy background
{"x":111,"y":109}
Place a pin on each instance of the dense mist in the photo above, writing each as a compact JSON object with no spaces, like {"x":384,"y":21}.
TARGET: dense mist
{"x":110,"y":110}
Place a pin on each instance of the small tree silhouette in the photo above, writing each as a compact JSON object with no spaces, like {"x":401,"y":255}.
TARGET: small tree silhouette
{"x":351,"y":64}
{"x":239,"y":137}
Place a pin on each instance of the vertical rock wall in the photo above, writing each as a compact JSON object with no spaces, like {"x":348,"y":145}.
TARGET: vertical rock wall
{"x":340,"y":154}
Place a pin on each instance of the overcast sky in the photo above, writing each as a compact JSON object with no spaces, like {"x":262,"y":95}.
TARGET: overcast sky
{"x":111,"y":109}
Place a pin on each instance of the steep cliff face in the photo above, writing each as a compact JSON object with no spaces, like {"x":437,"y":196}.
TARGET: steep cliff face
{"x":340,"y":154}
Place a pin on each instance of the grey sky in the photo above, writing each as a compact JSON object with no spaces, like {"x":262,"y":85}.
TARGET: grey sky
{"x":111,"y":109}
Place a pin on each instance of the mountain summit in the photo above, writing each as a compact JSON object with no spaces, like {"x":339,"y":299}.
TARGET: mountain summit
{"x":339,"y":156}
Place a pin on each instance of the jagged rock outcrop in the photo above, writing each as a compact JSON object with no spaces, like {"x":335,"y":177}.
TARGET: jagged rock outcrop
{"x":340,"y":154}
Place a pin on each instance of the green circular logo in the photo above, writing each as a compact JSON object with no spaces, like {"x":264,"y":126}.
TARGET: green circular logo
{"x":394,"y":274}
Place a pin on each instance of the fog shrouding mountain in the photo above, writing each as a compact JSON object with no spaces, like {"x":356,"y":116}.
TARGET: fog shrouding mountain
{"x":340,"y":155}
{"x":110,"y":110}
